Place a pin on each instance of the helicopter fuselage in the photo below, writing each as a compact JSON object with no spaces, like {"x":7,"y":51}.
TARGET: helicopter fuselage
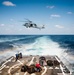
{"x":30,"y":24}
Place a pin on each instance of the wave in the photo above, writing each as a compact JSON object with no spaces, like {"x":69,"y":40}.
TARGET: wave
{"x":7,"y":42}
{"x":44,"y":45}
{"x":65,"y":42}
{"x":38,"y":44}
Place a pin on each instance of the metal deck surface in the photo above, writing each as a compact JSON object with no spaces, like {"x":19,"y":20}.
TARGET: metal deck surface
{"x":12,"y":67}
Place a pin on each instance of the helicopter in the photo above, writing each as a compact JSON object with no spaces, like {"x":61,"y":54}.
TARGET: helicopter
{"x":30,"y":24}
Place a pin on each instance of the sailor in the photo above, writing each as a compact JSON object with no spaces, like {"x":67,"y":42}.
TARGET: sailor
{"x":38,"y":67}
{"x":16,"y":57}
{"x":20,"y":55}
{"x":41,"y":62}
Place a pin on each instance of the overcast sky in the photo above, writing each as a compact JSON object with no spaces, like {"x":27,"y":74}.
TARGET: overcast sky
{"x":56,"y":15}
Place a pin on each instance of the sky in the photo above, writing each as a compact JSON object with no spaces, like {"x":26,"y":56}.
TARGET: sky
{"x":56,"y":15}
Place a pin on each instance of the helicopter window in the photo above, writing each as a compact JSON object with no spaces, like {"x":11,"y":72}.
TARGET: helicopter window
{"x":35,"y":25}
{"x":31,"y":25}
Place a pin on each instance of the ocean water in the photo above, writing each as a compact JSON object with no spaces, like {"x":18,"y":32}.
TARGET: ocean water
{"x":60,"y":45}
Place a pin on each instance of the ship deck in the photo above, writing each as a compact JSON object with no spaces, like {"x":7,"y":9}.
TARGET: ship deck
{"x":12,"y":67}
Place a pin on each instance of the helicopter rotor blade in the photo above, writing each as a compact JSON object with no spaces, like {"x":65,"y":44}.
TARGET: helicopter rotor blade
{"x":28,"y":20}
{"x":23,"y":21}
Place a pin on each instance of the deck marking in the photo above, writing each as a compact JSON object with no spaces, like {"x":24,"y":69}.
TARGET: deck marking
{"x":30,"y":64}
{"x":20,"y":62}
{"x":31,"y":61}
{"x":7,"y":66}
{"x":17,"y":73}
{"x":3,"y":65}
{"x":60,"y":66}
{"x":50,"y":67}
{"x":25,"y":73}
{"x":14,"y":66}
{"x":44,"y":70}
{"x":62,"y":70}
{"x":57,"y":59}
{"x":9,"y":71}
{"x":11,"y":68}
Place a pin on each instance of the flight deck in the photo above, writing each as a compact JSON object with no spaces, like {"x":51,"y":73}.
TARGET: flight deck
{"x":13,"y":67}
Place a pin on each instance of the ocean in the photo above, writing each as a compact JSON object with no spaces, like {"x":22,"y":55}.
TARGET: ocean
{"x":60,"y":45}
